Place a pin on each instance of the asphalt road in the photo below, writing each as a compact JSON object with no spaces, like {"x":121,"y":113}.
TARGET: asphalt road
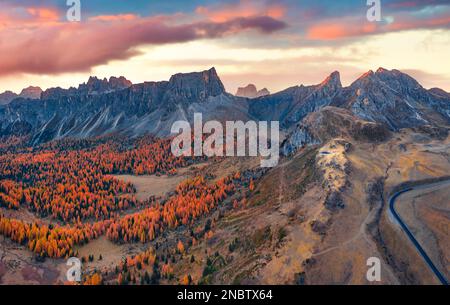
{"x":411,"y":237}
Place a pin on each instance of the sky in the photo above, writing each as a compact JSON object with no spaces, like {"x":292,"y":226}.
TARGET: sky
{"x":270,"y":43}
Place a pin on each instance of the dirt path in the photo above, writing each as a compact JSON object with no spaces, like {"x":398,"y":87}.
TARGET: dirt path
{"x":362,"y":233}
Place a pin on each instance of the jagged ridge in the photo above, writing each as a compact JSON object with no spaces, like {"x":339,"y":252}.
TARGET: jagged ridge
{"x":98,"y":107}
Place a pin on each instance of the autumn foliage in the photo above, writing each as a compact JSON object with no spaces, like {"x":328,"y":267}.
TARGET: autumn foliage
{"x":69,"y":187}
{"x":193,"y":198}
{"x":49,"y":241}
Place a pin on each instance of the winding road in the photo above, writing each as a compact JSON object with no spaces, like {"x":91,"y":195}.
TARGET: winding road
{"x":411,"y":237}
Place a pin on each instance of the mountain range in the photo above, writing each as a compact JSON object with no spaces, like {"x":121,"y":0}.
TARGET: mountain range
{"x":386,"y":99}
{"x":30,"y":92}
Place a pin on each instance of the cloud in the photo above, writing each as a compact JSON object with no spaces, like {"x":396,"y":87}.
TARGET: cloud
{"x":351,"y":27}
{"x":36,"y":39}
{"x":338,"y":30}
{"x":58,"y":47}
{"x":243,"y":8}
{"x":120,"y":17}
{"x":410,"y":23}
{"x":19,"y":17}
{"x":414,"y":4}
{"x":43,"y":14}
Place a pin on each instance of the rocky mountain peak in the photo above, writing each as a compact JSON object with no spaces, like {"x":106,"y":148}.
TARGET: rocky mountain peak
{"x":196,"y":86}
{"x":94,"y":80}
{"x":366,"y":76}
{"x":247,"y":91}
{"x":333,"y":81}
{"x":6,"y":97}
{"x":263,"y":92}
{"x":96,"y":85}
{"x":398,"y":80}
{"x":119,"y":82}
{"x":393,"y":79}
{"x":387,"y":97}
{"x":250,"y":91}
{"x":31,"y":92}
{"x":93,"y":86}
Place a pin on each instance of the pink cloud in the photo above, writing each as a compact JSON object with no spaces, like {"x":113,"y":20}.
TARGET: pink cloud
{"x":245,"y":8}
{"x":121,"y":17}
{"x":350,"y":27}
{"x":20,"y":17}
{"x":43,"y":14}
{"x":59,"y":46}
{"x":338,"y":30}
{"x":421,"y":23}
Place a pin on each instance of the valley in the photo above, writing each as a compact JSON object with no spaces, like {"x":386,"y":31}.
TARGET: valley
{"x":100,"y":183}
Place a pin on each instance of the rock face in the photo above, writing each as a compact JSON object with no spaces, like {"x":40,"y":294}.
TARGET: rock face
{"x":332,"y":122}
{"x":99,"y":86}
{"x":263,"y":92}
{"x":439,"y":92}
{"x":92,"y":87}
{"x":293,"y":104}
{"x":301,"y":136}
{"x":31,"y":92}
{"x":27,"y":93}
{"x":395,"y":99}
{"x":193,"y":87}
{"x":366,"y":110}
{"x":250,"y":91}
{"x":6,"y":97}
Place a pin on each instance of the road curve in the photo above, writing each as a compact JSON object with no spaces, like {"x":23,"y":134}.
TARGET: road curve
{"x":405,"y":228}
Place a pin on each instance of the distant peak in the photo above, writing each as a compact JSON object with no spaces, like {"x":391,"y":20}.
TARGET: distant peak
{"x":263,"y":92}
{"x":119,"y":82}
{"x":247,"y":91}
{"x":394,"y":79}
{"x":381,"y":70}
{"x":93,"y":79}
{"x":6,"y":97}
{"x":250,"y":91}
{"x":31,"y":92}
{"x":31,"y":88}
{"x":97,"y":85}
{"x":249,"y":86}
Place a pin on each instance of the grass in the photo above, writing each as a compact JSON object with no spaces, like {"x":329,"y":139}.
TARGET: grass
{"x":261,"y":236}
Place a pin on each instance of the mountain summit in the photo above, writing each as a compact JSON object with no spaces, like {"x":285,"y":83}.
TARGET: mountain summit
{"x":195,"y":86}
{"x":395,"y":99}
{"x":95,"y":85}
{"x":250,"y":91}
{"x":333,"y":81}
{"x":31,"y":92}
